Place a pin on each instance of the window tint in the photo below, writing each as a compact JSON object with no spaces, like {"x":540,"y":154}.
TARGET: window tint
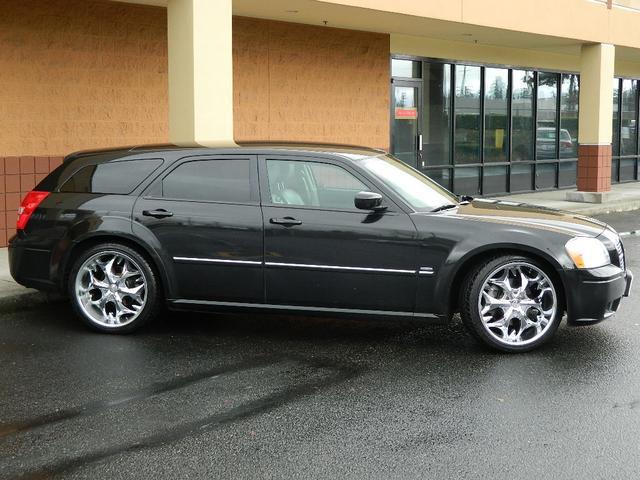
{"x":569,"y":101}
{"x":312,"y":184}
{"x":496,"y":115}
{"x":116,"y":177}
{"x":547,"y":122}
{"x":210,"y":180}
{"x":522,"y":115}
{"x":467,"y":115}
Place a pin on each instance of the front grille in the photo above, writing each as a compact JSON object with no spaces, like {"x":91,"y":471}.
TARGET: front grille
{"x":620,"y":252}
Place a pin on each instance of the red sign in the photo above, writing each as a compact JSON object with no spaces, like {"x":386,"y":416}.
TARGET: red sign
{"x":404,"y":113}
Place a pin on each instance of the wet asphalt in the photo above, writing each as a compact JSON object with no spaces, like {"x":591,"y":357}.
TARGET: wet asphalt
{"x":257,"y":396}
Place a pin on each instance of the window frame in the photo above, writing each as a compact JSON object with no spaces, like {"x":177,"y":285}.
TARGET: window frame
{"x":265,"y":190}
{"x":154,"y":190}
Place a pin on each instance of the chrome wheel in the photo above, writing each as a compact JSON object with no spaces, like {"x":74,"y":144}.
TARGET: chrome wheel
{"x":111,"y":289}
{"x":517,"y":303}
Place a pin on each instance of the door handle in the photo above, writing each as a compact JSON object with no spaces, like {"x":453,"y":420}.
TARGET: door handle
{"x":286,"y":221}
{"x":159,"y":213}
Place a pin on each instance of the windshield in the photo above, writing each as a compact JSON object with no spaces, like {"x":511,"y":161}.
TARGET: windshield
{"x":419,"y":191}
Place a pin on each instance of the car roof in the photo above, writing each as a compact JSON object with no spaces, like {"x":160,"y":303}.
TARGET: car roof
{"x":349,"y":151}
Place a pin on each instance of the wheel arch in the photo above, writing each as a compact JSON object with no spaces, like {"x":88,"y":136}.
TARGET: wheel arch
{"x":98,"y":238}
{"x":476,"y":257}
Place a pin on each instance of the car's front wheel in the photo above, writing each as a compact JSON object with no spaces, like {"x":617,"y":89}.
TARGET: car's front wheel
{"x":113,"y":288}
{"x":511,"y":303}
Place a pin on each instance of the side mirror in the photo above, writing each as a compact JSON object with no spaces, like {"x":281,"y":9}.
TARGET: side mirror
{"x":369,"y":201}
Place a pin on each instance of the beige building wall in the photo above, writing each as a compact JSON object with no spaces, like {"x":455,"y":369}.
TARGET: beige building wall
{"x":78,"y":74}
{"x":308,"y":83}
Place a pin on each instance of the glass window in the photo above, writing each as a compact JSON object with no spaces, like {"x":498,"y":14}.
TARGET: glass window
{"x":466,"y":180}
{"x":419,"y":191}
{"x":440,"y":175}
{"x":547,"y":122}
{"x":210,"y":180}
{"x":627,"y":169}
{"x":405,"y":123}
{"x":496,"y":115}
{"x":436,"y":121}
{"x":495,"y":179}
{"x":546,"y":175}
{"x":312,"y":184}
{"x":567,"y":174}
{"x":628,"y":127}
{"x":405,"y":68}
{"x":467,"y":115}
{"x":616,"y":118}
{"x":569,"y":98}
{"x":522,"y":115}
{"x":521,"y":177}
{"x":115,"y":177}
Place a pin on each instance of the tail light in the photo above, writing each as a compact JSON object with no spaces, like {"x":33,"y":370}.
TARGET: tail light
{"x":27,"y":207}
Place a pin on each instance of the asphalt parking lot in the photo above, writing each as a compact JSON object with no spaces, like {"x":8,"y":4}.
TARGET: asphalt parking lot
{"x":252,"y":396}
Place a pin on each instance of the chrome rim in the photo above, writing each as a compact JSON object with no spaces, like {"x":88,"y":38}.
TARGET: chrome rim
{"x":517,"y":303}
{"x":111,"y":289}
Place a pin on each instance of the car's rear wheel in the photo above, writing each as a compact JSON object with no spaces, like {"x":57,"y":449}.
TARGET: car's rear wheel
{"x":511,"y":303}
{"x":113,"y":288}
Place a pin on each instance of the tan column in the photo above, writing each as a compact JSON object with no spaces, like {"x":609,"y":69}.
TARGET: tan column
{"x":595,"y":118}
{"x":200,"y":72}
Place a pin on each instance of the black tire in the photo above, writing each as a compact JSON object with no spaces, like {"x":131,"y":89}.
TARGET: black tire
{"x":471,"y":291}
{"x":153,"y":296}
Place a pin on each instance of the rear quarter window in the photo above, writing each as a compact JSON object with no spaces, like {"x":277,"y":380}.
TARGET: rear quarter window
{"x":114,"y":177}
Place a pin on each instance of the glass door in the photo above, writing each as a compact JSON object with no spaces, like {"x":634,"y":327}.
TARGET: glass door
{"x":406,"y":142}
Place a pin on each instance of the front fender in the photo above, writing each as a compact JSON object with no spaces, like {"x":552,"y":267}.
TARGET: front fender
{"x":447,"y":281}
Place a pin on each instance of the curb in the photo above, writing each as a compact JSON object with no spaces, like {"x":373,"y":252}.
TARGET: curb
{"x":614,"y":207}
{"x":30,"y":300}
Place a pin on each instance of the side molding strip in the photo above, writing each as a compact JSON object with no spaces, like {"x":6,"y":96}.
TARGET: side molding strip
{"x":336,"y":267}
{"x":422,"y":271}
{"x":215,"y":260}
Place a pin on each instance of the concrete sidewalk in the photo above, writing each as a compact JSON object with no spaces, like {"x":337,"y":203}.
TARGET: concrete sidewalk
{"x":624,"y":197}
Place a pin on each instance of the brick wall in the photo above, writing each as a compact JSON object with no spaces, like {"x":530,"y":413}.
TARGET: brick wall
{"x":310,"y":83}
{"x":18,"y":175}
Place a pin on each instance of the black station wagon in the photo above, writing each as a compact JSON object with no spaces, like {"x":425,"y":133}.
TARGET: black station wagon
{"x":310,"y":229}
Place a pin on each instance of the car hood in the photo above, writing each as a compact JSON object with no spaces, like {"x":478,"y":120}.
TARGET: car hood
{"x":528,"y":216}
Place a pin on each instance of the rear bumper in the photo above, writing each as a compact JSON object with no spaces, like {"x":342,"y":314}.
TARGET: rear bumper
{"x":595,"y":294}
{"x":30,"y":267}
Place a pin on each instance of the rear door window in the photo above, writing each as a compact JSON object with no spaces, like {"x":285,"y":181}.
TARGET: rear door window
{"x":212,"y":180}
{"x":114,"y":177}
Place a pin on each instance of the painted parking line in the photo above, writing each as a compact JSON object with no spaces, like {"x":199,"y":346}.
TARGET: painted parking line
{"x":630,"y":233}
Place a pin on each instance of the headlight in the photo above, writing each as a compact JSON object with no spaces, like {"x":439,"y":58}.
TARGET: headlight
{"x":587,"y":252}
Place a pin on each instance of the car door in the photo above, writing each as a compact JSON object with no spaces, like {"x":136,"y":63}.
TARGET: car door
{"x":204,"y":214}
{"x":322,"y":252}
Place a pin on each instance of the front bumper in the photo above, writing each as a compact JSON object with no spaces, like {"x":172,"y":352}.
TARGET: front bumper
{"x":595,"y":294}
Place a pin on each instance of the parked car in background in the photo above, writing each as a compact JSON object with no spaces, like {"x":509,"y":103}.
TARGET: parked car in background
{"x":546,"y":143}
{"x":310,"y":229}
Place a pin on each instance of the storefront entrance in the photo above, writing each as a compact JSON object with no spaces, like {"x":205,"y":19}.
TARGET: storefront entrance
{"x":485,"y":130}
{"x":406,"y":138}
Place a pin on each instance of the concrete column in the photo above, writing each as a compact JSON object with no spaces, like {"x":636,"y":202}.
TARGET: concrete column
{"x":595,"y":119}
{"x":200,"y":72}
